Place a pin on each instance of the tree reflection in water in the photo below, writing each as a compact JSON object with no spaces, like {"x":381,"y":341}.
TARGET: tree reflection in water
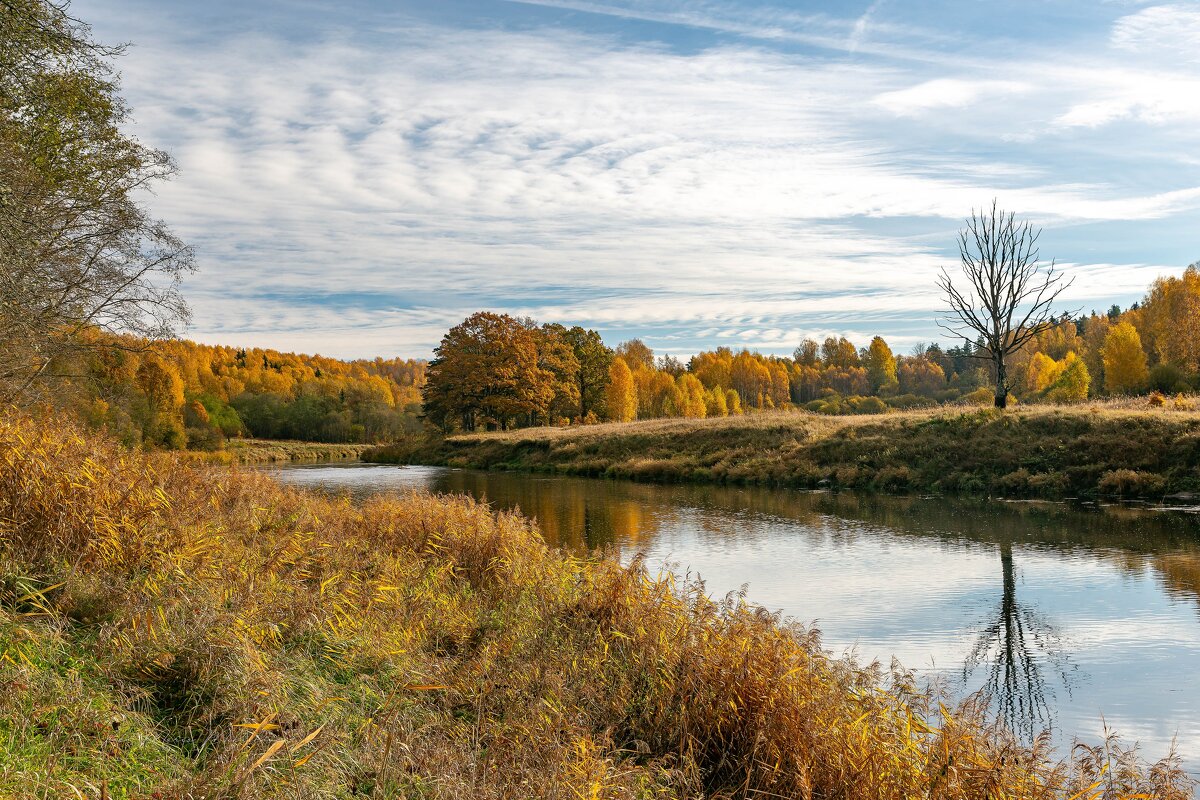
{"x":1012,"y":651}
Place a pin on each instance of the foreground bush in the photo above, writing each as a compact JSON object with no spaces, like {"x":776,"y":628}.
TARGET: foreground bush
{"x":173,"y":632}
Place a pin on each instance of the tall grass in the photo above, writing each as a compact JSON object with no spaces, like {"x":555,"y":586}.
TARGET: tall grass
{"x":172,"y":631}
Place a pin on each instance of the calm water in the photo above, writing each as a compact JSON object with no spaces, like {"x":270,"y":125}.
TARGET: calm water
{"x":1070,"y":617}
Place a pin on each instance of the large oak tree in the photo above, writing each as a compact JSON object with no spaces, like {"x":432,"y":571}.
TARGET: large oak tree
{"x":497,"y":371}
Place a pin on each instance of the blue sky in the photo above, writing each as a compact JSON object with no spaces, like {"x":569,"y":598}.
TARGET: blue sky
{"x":358,"y":176}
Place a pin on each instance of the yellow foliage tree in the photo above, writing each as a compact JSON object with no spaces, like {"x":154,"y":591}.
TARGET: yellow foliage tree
{"x":657,"y":394}
{"x":621,"y":397}
{"x":881,"y":366}
{"x":1042,"y":372}
{"x":1125,"y":369}
{"x":1171,"y":319}
{"x":715,"y":403}
{"x":733,"y":402}
{"x":921,"y":376}
{"x":1072,"y":382}
{"x":751,"y":378}
{"x":712,"y":368}
{"x":691,"y":396}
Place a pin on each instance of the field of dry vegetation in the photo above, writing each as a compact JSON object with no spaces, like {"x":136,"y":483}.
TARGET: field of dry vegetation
{"x":1114,"y":449}
{"x":173,"y":631}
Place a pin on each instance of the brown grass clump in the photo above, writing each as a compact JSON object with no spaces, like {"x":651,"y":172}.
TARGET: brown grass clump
{"x":170,"y":631}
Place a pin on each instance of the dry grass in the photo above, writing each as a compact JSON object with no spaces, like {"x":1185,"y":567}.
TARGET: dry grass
{"x":169,"y":631}
{"x":820,"y":425}
{"x":270,"y":451}
{"x":1112,"y":448}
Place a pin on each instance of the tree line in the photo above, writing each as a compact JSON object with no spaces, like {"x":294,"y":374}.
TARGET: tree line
{"x":495,"y":371}
{"x":180,"y":394}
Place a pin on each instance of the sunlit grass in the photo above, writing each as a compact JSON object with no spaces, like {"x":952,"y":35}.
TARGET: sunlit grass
{"x":1117,"y":448}
{"x":264,"y":451}
{"x":205,"y":632}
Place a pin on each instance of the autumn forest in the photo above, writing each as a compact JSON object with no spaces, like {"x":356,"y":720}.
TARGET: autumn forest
{"x":494,"y":371}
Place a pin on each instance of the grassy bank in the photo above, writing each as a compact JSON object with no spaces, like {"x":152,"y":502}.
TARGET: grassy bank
{"x":170,"y":631}
{"x":1048,"y":451}
{"x":269,"y":451}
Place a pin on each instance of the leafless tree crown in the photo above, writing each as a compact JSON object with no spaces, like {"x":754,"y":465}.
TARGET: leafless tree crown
{"x":1009,"y":294}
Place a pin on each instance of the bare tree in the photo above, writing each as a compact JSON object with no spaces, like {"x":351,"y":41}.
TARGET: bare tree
{"x":1010,"y":291}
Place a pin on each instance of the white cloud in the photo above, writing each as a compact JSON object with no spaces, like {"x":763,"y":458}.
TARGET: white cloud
{"x":364,"y":196}
{"x":1165,"y":29}
{"x":943,"y":93}
{"x":1153,"y":96}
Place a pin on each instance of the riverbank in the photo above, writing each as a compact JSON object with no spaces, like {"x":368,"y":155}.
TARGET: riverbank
{"x":1040,"y":451}
{"x":177,"y":631}
{"x":269,"y":451}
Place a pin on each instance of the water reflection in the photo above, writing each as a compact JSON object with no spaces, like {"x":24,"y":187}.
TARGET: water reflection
{"x":1094,"y":611}
{"x":1012,"y":650}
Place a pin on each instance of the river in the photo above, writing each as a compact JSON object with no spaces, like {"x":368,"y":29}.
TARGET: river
{"x":1071,"y":617}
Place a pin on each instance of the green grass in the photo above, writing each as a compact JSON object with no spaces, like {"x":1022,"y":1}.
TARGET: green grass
{"x":1044,"y":451}
{"x":63,"y":727}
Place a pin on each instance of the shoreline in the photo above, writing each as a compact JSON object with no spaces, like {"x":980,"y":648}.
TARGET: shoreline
{"x":1034,"y":452}
{"x":269,"y":623}
{"x":270,"y":451}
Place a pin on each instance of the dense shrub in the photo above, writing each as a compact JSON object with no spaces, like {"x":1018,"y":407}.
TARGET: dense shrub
{"x":1167,"y":379}
{"x":906,"y":401}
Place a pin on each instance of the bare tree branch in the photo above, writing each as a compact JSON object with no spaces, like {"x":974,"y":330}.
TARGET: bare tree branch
{"x":1010,"y":294}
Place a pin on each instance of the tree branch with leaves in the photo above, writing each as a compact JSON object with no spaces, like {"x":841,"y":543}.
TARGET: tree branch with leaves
{"x":78,"y":248}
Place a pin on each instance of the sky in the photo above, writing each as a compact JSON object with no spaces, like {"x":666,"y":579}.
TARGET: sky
{"x":358,"y":176}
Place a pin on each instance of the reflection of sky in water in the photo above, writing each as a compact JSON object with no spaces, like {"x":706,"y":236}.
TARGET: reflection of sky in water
{"x":1108,"y":599}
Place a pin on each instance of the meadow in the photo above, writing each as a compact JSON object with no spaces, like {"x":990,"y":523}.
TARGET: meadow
{"x":1102,"y":449}
{"x":169,"y":630}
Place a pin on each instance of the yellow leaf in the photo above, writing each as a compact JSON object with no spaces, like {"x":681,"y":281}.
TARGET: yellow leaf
{"x":272,"y":750}
{"x":307,"y":739}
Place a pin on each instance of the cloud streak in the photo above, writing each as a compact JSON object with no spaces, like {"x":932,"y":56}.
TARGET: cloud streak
{"x":360,"y":194}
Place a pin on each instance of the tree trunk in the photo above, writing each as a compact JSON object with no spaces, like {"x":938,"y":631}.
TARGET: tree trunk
{"x":1001,"y":383}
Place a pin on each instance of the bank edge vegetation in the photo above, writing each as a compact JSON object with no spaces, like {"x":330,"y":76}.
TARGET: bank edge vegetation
{"x":169,"y":631}
{"x":1098,"y":450}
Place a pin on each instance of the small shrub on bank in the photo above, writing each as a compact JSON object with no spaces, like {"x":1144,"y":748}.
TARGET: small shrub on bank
{"x":894,"y":479}
{"x":907,"y":401}
{"x":1167,"y":379}
{"x":1131,"y":483}
{"x":982,"y":396}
